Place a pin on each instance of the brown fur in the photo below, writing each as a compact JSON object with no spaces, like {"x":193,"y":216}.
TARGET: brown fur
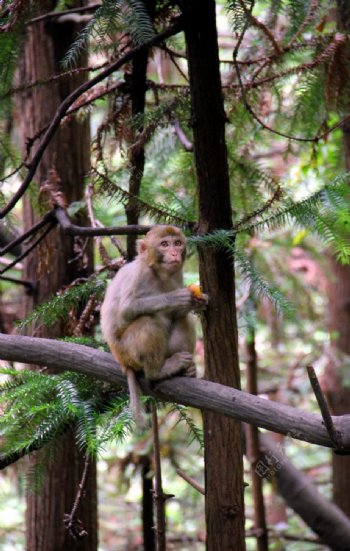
{"x":145,"y":316}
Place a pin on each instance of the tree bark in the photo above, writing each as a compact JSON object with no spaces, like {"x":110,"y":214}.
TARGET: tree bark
{"x":197,"y":393}
{"x":253,"y":450}
{"x":326,"y":520}
{"x":223,"y":448}
{"x":338,"y":292}
{"x":338,"y":394}
{"x":51,"y":268}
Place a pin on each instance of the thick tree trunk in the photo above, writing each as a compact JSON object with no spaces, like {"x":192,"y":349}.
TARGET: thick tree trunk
{"x":223,"y":449}
{"x":53,"y":267}
{"x":339,"y":307}
{"x":136,"y":157}
{"x":338,"y":393}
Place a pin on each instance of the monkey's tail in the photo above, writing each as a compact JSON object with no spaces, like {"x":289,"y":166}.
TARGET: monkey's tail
{"x":137,"y":409}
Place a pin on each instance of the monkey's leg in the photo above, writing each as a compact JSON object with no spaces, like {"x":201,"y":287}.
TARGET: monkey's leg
{"x":177,"y":362}
{"x":180,"y":348}
{"x":143,"y":345}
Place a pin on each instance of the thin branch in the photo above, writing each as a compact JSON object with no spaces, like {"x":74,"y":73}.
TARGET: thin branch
{"x":275,"y":197}
{"x":188,"y":146}
{"x":259,"y":25}
{"x":51,"y":79}
{"x":27,"y":284}
{"x":71,"y":522}
{"x":47,"y":230}
{"x":158,"y":212}
{"x":97,"y":224}
{"x":7,"y":459}
{"x":312,"y":11}
{"x":63,"y":108}
{"x":15,"y":170}
{"x":191,"y":481}
{"x":323,"y":56}
{"x":172,"y":57}
{"x":45,"y":220}
{"x":53,"y":14}
{"x":322,"y":403}
{"x":158,"y":495}
{"x":196,"y":393}
{"x":72,"y":229}
{"x":75,"y":107}
{"x":5,"y":261}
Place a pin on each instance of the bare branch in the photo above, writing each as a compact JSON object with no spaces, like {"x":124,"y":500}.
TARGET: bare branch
{"x":72,"y":229}
{"x":27,"y":284}
{"x":63,"y":108}
{"x":188,"y":146}
{"x":47,"y":230}
{"x":322,"y":403}
{"x":45,"y":220}
{"x":54,"y":14}
{"x":196,"y":393}
{"x":191,"y":481}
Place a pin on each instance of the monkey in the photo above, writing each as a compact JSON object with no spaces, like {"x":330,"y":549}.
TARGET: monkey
{"x":146,"y":314}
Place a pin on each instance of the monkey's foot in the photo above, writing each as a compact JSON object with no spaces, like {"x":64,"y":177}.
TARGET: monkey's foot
{"x":191,"y":371}
{"x":180,"y":361}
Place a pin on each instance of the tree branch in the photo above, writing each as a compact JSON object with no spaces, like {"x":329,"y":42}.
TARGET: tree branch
{"x":63,"y":108}
{"x":196,"y":393}
{"x":72,"y":229}
{"x":55,"y":14}
{"x":322,"y":403}
{"x":25,"y":253}
{"x":323,"y":517}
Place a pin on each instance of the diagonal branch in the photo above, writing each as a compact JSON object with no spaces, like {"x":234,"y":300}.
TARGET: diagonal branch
{"x":63,"y":108}
{"x":25,"y":253}
{"x":196,"y":393}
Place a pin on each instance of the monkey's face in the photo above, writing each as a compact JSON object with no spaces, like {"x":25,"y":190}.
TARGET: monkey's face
{"x":170,"y":252}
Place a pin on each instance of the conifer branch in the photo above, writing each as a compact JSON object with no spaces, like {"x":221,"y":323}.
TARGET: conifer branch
{"x":197,"y":393}
{"x":175,"y":28}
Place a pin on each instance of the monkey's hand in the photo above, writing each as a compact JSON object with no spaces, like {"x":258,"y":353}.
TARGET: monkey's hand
{"x":200,"y":303}
{"x":180,"y":301}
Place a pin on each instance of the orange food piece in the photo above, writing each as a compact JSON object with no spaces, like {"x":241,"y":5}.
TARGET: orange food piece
{"x":195,"y":290}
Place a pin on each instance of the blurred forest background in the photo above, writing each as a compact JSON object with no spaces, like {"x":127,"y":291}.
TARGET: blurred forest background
{"x":122,"y":151}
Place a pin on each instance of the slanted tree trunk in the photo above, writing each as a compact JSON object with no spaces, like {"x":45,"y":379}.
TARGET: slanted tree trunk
{"x":53,"y":266}
{"x":223,"y":448}
{"x":323,"y":517}
{"x":339,"y":307}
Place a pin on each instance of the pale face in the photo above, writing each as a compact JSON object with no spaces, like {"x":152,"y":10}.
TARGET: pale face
{"x":171,"y":252}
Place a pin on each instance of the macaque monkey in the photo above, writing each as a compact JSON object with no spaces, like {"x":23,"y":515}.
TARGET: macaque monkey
{"x":145,"y":316}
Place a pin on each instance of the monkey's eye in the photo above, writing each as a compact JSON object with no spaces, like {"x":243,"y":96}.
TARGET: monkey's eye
{"x":164,"y":243}
{"x":178,"y":243}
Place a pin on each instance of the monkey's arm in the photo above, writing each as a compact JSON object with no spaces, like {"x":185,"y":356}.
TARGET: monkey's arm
{"x":179,"y":301}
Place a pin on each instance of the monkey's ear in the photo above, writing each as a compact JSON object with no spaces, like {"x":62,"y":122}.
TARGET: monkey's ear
{"x":141,"y":246}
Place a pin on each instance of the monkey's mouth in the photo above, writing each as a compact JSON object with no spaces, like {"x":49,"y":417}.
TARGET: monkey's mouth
{"x":174,"y":264}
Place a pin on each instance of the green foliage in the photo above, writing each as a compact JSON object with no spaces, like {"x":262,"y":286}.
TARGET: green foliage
{"x":324,"y":213}
{"x":309,"y":105}
{"x":38,"y":408}
{"x":113,"y":16}
{"x":195,"y":433}
{"x":59,"y":307}
{"x":161,"y":213}
{"x":10,"y":46}
{"x":237,"y":12}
